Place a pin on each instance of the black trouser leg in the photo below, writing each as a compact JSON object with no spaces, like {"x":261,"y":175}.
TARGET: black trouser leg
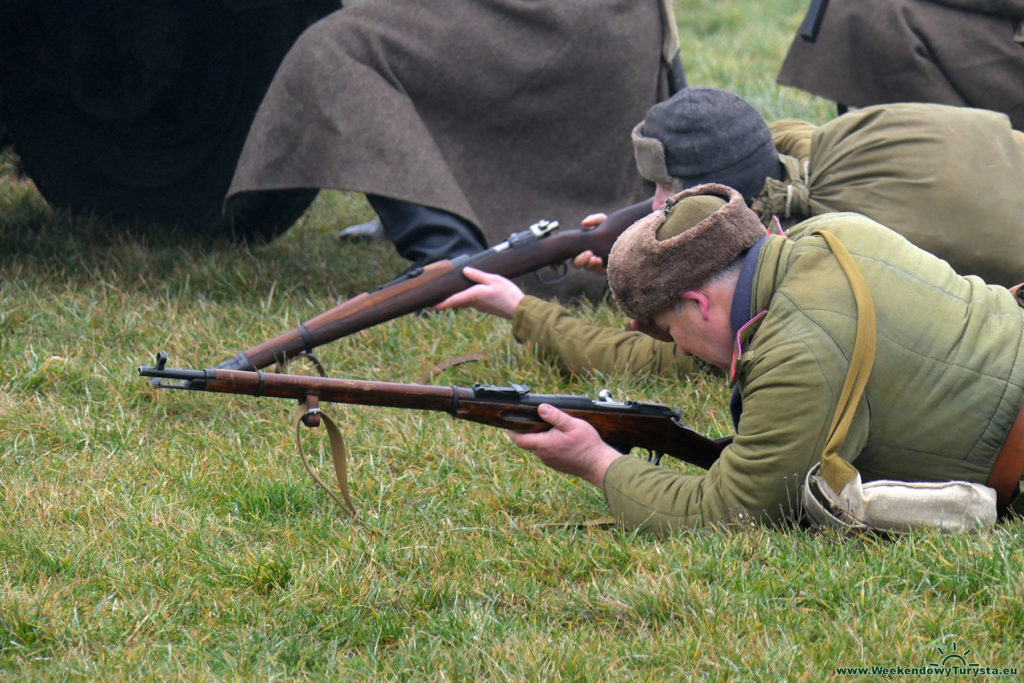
{"x":423,"y":234}
{"x":676,"y":76}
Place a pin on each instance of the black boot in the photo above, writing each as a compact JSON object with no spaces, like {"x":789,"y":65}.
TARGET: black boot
{"x":423,"y":234}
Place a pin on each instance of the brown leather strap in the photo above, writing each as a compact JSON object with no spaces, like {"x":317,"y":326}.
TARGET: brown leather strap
{"x":1009,"y":467}
{"x":438,"y":368}
{"x":1018,"y":293}
{"x":338,"y":454}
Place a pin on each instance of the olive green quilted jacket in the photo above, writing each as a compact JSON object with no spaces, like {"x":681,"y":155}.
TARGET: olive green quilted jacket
{"x":947,"y":380}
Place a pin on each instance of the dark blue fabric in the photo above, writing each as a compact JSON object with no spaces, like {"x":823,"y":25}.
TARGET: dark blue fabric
{"x":739,"y":316}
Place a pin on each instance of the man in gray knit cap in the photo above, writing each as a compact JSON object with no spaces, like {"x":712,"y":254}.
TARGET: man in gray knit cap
{"x":946,"y":178}
{"x":791,"y":321}
{"x":705,"y":135}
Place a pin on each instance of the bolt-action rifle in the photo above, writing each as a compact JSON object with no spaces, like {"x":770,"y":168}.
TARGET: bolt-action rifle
{"x":653,"y":427}
{"x":523,"y":252}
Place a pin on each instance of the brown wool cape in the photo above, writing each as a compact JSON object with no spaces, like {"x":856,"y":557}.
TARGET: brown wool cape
{"x":958,"y":52}
{"x":500,"y":111}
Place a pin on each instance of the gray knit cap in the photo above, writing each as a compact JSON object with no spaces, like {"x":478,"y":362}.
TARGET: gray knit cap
{"x":699,"y":232}
{"x":706,"y":135}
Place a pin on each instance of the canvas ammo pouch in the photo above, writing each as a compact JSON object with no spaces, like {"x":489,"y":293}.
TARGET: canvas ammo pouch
{"x":833,"y":494}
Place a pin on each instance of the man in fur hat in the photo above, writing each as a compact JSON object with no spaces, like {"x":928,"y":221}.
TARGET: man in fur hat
{"x":789,"y":320}
{"x":955,"y":195}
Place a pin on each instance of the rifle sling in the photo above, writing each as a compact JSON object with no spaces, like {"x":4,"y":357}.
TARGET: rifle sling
{"x":338,"y":454}
{"x":440,"y":367}
{"x":836,"y":471}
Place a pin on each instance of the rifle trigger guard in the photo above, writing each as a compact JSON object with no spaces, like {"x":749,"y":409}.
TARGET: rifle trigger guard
{"x":561,"y":270}
{"x":311,"y":418}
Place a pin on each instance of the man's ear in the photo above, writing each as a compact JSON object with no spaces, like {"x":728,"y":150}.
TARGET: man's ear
{"x":702,"y":299}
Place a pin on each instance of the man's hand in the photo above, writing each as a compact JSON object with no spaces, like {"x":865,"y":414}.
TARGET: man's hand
{"x":571,"y":446}
{"x":494,"y":294}
{"x":587,"y":260}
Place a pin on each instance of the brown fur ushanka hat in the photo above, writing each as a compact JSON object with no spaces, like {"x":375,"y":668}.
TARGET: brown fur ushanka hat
{"x":678,"y":247}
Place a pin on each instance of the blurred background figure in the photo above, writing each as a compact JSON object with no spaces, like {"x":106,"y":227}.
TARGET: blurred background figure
{"x":959,"y":52}
{"x":463,"y":121}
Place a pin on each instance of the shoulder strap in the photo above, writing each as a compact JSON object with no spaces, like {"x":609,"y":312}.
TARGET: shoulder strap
{"x":836,"y":471}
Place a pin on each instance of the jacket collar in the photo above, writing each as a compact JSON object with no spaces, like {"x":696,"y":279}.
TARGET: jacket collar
{"x":755,"y":287}
{"x":740,"y":313}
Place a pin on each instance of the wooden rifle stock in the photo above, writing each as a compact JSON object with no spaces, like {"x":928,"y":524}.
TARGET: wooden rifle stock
{"x":521,"y":253}
{"x":625,"y":425}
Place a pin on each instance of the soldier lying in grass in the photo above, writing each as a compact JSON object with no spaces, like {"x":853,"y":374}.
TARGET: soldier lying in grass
{"x":779,"y":316}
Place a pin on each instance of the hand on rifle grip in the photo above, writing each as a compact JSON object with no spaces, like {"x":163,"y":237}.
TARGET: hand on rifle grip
{"x":571,"y":445}
{"x":588,"y":261}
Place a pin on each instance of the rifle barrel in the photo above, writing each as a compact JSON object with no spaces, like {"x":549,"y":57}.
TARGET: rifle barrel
{"x":632,"y":424}
{"x":521,"y":253}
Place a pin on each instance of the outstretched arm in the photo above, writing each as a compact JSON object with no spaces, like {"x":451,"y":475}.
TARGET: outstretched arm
{"x":571,"y":446}
{"x":493,"y":294}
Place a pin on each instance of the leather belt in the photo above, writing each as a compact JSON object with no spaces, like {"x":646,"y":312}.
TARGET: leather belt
{"x":1006,"y":473}
{"x":1009,"y":467}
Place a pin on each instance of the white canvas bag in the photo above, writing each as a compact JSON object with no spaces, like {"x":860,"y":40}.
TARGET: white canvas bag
{"x":898,"y":506}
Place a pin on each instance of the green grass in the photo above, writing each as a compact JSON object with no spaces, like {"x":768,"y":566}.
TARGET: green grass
{"x":176,"y":535}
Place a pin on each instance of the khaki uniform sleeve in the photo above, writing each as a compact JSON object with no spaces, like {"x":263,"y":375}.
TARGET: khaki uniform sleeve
{"x":793,"y":137}
{"x":580,"y":346}
{"x":758,"y":476}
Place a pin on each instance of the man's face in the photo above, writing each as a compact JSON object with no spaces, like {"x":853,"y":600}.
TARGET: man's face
{"x":679,"y":324}
{"x":697,"y":327}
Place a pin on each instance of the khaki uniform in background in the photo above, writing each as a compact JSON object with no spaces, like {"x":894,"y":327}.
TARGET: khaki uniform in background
{"x":949,"y":179}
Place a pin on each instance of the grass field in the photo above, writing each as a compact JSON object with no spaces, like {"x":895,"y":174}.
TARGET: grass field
{"x":177,"y":535}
